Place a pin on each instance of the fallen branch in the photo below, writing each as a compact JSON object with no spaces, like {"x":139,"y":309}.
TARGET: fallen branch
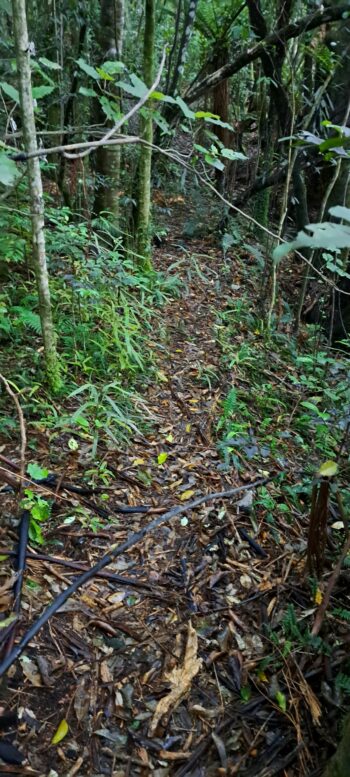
{"x":116,"y":551}
{"x":77,"y":565}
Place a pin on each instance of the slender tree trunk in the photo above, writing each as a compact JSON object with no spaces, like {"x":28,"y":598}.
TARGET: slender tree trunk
{"x":36,"y":194}
{"x":108,"y":158}
{"x":143,"y":243}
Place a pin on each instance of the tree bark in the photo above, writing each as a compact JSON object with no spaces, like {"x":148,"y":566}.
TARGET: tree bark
{"x":143,"y":243}
{"x":108,"y":158}
{"x":36,"y":194}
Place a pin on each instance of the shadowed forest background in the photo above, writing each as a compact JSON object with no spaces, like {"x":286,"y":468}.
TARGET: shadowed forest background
{"x":174,"y":388}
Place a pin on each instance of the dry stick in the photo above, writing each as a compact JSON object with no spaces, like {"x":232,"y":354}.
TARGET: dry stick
{"x":22,"y":425}
{"x":327,"y":595}
{"x":109,"y":558}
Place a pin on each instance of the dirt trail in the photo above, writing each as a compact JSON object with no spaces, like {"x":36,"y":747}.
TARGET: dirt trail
{"x":113,"y":652}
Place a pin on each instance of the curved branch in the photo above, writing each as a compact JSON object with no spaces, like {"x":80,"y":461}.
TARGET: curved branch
{"x":292,"y":30}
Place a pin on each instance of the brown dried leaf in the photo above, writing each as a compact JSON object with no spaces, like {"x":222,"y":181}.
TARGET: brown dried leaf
{"x":30,"y":671}
{"x":81,"y":699}
{"x":180,"y":679}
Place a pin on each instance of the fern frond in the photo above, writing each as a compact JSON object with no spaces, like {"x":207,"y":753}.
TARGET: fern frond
{"x":28,"y":318}
{"x":343,"y":682}
{"x":343,"y":614}
{"x":229,"y":403}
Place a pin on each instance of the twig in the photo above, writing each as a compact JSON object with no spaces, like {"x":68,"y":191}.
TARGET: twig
{"x":77,"y":565}
{"x":22,"y":425}
{"x":116,"y":551}
{"x":327,"y":595}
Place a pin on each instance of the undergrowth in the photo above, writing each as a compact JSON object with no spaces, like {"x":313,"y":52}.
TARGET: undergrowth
{"x":103,"y":305}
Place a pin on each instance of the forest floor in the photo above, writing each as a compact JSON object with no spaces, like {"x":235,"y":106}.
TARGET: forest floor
{"x":199,"y":664}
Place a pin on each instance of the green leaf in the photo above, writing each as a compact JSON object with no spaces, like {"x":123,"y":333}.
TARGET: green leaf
{"x":310,"y":406}
{"x":281,"y":701}
{"x":340,"y":212}
{"x":246,"y":693}
{"x":37,"y":472}
{"x":35,"y":533}
{"x":41,"y":510}
{"x":41,"y":91}
{"x":165,"y":98}
{"x":328,"y":469}
{"x":137,"y":88}
{"x":110,"y":109}
{"x":7,"y":621}
{"x":8,"y":170}
{"x":162,"y":457}
{"x":49,"y":63}
{"x":220,"y":123}
{"x":206,"y":115}
{"x":112,"y":66}
{"x":229,"y":153}
{"x":90,"y":71}
{"x":10,"y":91}
{"x":61,"y":732}
{"x":104,"y":75}
{"x":86,"y":92}
{"x":185,"y":109}
{"x":325,"y":235}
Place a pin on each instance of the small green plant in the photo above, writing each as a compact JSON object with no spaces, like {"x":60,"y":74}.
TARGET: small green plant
{"x":40,"y":511}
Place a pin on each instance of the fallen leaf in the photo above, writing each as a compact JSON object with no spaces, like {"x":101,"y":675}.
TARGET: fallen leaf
{"x":162,"y":457}
{"x":180,"y":679}
{"x":186,"y":494}
{"x":60,"y":733}
{"x":31,"y":671}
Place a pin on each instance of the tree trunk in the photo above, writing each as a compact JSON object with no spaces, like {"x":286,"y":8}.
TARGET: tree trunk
{"x":36,"y":194}
{"x":143,"y":243}
{"x":108,"y":158}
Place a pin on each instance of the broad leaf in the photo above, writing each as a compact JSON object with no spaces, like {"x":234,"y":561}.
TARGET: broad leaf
{"x":229,"y":153}
{"x":10,"y":91}
{"x":86,"y":92}
{"x":49,"y":64}
{"x":340,"y":212}
{"x":104,"y":75}
{"x":90,"y":71}
{"x":113,"y":66}
{"x":8,"y":170}
{"x":37,"y":472}
{"x":326,"y":235}
{"x":41,"y":91}
{"x":185,"y":109}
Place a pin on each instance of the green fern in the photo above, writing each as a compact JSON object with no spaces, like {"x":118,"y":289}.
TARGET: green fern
{"x":28,"y":318}
{"x":290,"y":624}
{"x":343,"y":614}
{"x":229,"y":404}
{"x":343,"y":682}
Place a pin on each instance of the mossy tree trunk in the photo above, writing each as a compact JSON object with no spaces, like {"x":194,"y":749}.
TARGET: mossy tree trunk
{"x":143,"y":243}
{"x":36,"y":194}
